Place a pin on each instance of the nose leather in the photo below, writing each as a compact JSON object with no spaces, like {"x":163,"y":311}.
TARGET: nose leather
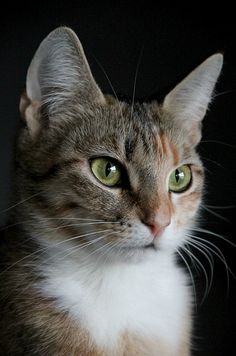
{"x":156,"y":229}
{"x":158,"y":219}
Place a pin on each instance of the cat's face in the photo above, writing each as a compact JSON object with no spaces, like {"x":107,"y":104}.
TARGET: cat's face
{"x":114,"y":179}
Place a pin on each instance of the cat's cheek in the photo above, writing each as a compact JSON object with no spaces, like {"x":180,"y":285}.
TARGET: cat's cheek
{"x":185,"y":207}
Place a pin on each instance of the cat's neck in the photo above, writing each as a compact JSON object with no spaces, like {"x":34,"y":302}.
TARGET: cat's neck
{"x":110,"y":297}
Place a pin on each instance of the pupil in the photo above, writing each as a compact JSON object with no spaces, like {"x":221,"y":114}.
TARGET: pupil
{"x":108,"y":169}
{"x":177,"y":175}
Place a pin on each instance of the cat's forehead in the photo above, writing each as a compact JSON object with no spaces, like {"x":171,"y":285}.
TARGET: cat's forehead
{"x":131,"y":132}
{"x":121,"y":124}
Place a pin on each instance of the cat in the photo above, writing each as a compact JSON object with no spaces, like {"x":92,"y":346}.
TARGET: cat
{"x":107,"y":192}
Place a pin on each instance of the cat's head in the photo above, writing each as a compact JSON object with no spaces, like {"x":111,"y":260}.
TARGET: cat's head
{"x":111,"y":178}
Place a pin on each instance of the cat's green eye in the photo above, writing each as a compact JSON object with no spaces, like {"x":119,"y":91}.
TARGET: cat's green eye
{"x":180,"y":179}
{"x":107,"y":171}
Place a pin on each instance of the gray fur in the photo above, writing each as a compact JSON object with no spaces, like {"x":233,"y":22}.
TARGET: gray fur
{"x":69,"y":121}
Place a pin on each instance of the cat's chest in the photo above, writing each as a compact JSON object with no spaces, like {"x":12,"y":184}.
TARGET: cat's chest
{"x":147,"y":299}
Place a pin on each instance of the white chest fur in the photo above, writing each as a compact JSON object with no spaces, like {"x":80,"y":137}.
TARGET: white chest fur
{"x":149,"y":298}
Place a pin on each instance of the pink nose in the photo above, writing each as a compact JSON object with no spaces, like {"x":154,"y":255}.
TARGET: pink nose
{"x":157,"y":220}
{"x":156,"y":230}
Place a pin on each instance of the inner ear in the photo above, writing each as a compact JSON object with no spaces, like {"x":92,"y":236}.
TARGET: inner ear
{"x":30,"y":112}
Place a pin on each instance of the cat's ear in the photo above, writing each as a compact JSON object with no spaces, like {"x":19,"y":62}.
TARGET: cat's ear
{"x":59,"y":73}
{"x":189,"y":100}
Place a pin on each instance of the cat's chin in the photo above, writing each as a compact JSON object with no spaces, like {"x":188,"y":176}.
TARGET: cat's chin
{"x":150,"y":246}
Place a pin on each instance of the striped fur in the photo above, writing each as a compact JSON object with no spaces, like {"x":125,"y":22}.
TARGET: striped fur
{"x":82,"y":273}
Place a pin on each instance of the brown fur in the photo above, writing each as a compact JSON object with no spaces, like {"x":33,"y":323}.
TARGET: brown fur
{"x":47,"y":331}
{"x":69,"y":122}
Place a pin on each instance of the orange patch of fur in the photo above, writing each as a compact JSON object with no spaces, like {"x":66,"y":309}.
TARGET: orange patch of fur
{"x":163,"y":140}
{"x":137,"y":345}
{"x":174,"y":154}
{"x":169,"y":149}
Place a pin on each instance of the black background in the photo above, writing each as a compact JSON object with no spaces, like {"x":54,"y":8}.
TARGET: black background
{"x":169,"y":41}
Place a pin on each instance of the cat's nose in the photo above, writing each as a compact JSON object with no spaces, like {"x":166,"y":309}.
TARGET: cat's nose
{"x":157,"y":221}
{"x":157,"y":228}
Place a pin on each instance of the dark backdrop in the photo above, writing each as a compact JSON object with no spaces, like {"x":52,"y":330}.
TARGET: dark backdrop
{"x":168,"y":42}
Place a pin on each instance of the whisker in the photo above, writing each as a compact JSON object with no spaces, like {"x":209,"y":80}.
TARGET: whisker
{"x":77,"y":248}
{"x":109,"y":82}
{"x":19,"y":203}
{"x":203,"y":269}
{"x":51,"y":246}
{"x":104,"y":246}
{"x":213,"y":234}
{"x":217,"y":252}
{"x":212,"y":161}
{"x":219,"y":142}
{"x":107,"y":248}
{"x":223,"y":93}
{"x":214,"y":213}
{"x":191,"y":276}
{"x":211,"y":263}
{"x":72,"y":249}
{"x":195,"y":265}
{"x":98,"y":249}
{"x":54,"y":229}
{"x":135,"y":79}
{"x":221,"y":207}
{"x":105,"y":73}
{"x":208,"y":254}
{"x":111,"y":245}
{"x":91,"y":222}
{"x":82,"y":219}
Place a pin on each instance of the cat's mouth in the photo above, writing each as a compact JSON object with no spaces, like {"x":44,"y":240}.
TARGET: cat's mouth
{"x":150,"y":246}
